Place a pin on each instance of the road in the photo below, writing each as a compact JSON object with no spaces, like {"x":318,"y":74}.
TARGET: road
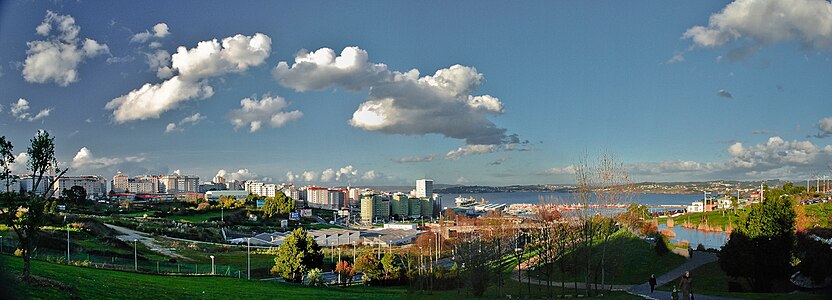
{"x":129,"y":235}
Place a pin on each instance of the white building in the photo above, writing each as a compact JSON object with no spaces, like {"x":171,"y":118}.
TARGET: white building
{"x":424,"y":188}
{"x":27,"y":183}
{"x":179,"y":183}
{"x":318,"y":197}
{"x":95,"y":186}
{"x":261,"y":189}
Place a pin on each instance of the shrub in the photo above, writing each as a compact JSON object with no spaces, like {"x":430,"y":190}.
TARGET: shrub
{"x":661,"y":245}
{"x":18,"y":252}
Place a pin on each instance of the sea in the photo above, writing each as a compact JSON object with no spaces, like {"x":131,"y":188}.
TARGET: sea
{"x":561,"y":197}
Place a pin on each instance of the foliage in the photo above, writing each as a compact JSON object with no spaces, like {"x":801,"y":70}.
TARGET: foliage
{"x":346,"y":270}
{"x":370,"y":266}
{"x":390,"y":266}
{"x":815,"y":257}
{"x":231,"y":202}
{"x":661,"y":245}
{"x":475,"y":255}
{"x":298,"y":254}
{"x":76,"y":195}
{"x":26,"y":213}
{"x":6,"y":160}
{"x":761,"y":246}
{"x":315,"y":278}
{"x":279,"y":204}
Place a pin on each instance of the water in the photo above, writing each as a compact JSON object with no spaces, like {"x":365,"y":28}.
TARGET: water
{"x":695,"y":237}
{"x":535,"y":198}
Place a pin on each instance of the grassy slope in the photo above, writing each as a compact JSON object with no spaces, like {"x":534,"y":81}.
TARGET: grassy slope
{"x":91,"y":283}
{"x":709,"y":279}
{"x":820,"y":214}
{"x":634,"y":261}
{"x":714,"y":218}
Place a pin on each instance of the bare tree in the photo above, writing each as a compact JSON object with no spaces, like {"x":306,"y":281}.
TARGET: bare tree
{"x":26,"y":212}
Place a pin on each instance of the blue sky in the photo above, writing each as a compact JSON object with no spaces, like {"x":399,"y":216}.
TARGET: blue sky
{"x":504,"y":93}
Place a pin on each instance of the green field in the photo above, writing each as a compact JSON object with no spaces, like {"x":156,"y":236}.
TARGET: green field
{"x":65,"y":282}
{"x":719,"y":219}
{"x":630,"y":261}
{"x":820,"y":214}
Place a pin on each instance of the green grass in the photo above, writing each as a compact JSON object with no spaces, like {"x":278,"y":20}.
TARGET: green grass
{"x":820,"y":214}
{"x":714,"y":218}
{"x":90,"y":283}
{"x":201,"y":217}
{"x":630,"y":261}
{"x":709,"y":279}
{"x":138,"y":214}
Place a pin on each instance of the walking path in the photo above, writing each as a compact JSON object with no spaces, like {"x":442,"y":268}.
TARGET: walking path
{"x":130,"y":235}
{"x":643,"y":290}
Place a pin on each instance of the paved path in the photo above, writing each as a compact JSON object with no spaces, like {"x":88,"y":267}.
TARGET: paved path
{"x":129,"y":235}
{"x":699,"y":259}
{"x":643,"y":290}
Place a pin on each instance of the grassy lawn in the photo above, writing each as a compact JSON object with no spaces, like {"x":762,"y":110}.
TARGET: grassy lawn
{"x":709,"y":279}
{"x":820,"y":214}
{"x":201,"y":217}
{"x":137,"y":214}
{"x":89,"y":283}
{"x":631,"y":261}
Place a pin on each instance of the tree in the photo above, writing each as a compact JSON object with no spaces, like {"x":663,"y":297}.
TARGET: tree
{"x":475,"y":256}
{"x":345,"y":270}
{"x":26,"y":213}
{"x":279,"y":204}
{"x":75,"y":195}
{"x":315,"y":278}
{"x":370,"y":266}
{"x":390,"y":265}
{"x":7,"y":156}
{"x":761,"y":246}
{"x":298,"y":254}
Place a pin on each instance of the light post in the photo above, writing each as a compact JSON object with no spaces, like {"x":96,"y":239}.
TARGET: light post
{"x":212,"y":265}
{"x":248,"y":257}
{"x":222,"y":214}
{"x":1,"y":244}
{"x":353,"y":253}
{"x":135,"y":256}
{"x":517,"y":253}
{"x":67,"y":243}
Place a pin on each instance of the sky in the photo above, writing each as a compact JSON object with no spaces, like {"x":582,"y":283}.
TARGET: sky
{"x":387,"y":92}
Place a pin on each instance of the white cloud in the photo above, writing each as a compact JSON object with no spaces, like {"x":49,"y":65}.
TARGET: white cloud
{"x":57,"y":58}
{"x":324,"y":68}
{"x":825,"y":126}
{"x":268,"y":110}
{"x":677,"y":57}
{"x":761,"y":23}
{"x":20,"y":110}
{"x":159,"y":31}
{"x":171,"y":127}
{"x":291,"y":177}
{"x":371,"y":175}
{"x":327,"y":175}
{"x":189,"y":120}
{"x":775,"y":152}
{"x":440,"y":104}
{"x":20,"y":161}
{"x":241,"y":174}
{"x":85,"y":160}
{"x":192,"y":67}
{"x":401,"y":103}
{"x":567,"y":170}
{"x":347,"y":173}
{"x":159,"y":60}
{"x":471,"y":150}
{"x":309,"y":176}
{"x":415,"y":159}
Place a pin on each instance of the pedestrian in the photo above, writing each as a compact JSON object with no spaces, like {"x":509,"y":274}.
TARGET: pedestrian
{"x":690,"y":252}
{"x":685,"y":286}
{"x":652,"y":282}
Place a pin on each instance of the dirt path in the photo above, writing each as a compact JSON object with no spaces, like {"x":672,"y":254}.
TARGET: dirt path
{"x":129,"y":235}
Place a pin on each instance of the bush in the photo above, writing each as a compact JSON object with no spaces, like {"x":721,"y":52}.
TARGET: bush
{"x":18,"y":252}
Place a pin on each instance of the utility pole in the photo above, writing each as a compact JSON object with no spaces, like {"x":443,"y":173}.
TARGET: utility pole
{"x":67,"y":244}
{"x":248,"y":258}
{"x":135,"y":256}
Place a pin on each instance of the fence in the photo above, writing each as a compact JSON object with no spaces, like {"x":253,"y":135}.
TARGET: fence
{"x":131,"y":264}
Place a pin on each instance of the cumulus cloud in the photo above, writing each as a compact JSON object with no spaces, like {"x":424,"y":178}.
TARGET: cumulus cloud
{"x":724,"y":94}
{"x":414,"y":159}
{"x":57,"y":58}
{"x":762,"y":23}
{"x":401,"y":103}
{"x":20,"y":110}
{"x":192,"y":68}
{"x":241,"y":174}
{"x":85,"y":160}
{"x":775,"y":152}
{"x":825,"y":127}
{"x":371,"y":175}
{"x":159,"y":31}
{"x":347,"y":173}
{"x":570,"y":169}
{"x":20,"y":161}
{"x":159,"y":60}
{"x":309,"y":175}
{"x":677,"y":57}
{"x":189,"y":120}
{"x":324,"y":68}
{"x":327,"y":175}
{"x":470,"y":150}
{"x":268,"y":110}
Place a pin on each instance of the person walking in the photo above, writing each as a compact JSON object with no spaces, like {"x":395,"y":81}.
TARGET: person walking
{"x":685,"y":286}
{"x":652,"y":282}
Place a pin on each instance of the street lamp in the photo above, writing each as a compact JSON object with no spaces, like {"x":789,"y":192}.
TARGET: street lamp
{"x":67,"y":243}
{"x":517,"y":252}
{"x":212,"y":265}
{"x":248,"y":257}
{"x":1,"y":244}
{"x":135,"y":256}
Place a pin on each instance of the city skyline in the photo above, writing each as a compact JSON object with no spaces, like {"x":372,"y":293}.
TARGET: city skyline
{"x":385,"y":93}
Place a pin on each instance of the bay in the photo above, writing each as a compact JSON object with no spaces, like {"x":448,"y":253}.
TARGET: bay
{"x":560,"y":197}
